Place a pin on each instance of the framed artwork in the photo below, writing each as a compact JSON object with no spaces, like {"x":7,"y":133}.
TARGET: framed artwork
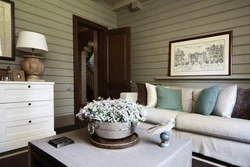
{"x":7,"y":34}
{"x":206,"y":55}
{"x":18,"y":75}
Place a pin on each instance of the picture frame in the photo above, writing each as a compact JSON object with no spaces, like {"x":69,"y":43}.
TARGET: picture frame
{"x":18,"y":75}
{"x":206,"y":55}
{"x":7,"y":30}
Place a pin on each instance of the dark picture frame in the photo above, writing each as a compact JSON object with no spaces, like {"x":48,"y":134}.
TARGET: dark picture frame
{"x":206,"y":55}
{"x":7,"y":34}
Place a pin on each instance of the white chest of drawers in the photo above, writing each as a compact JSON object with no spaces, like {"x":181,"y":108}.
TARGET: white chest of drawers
{"x":26,"y":113}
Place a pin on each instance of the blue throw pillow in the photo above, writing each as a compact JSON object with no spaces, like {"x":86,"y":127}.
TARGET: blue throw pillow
{"x":169,"y":98}
{"x":206,"y":101}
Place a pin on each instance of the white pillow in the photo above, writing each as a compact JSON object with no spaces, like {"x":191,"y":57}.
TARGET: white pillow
{"x":151,"y":95}
{"x":226,"y":101}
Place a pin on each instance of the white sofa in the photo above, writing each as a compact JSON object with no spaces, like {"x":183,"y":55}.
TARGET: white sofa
{"x":225,"y":139}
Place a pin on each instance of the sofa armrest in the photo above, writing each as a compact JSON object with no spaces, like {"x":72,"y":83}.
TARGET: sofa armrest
{"x":132,"y":96}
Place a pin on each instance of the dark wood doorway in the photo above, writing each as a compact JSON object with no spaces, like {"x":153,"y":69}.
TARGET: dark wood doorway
{"x":80,"y":24}
{"x":112,"y":48}
{"x":118,"y":61}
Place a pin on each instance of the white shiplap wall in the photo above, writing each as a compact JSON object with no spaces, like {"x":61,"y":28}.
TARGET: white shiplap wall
{"x":53,"y":18}
{"x":161,"y":21}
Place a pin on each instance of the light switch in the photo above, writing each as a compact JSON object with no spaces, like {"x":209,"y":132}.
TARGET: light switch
{"x":68,"y":88}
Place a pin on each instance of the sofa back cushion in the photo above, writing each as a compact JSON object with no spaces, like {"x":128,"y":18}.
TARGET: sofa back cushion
{"x":169,"y":98}
{"x":206,"y":101}
{"x":151,"y":95}
{"x":142,"y":93}
{"x":242,"y":105}
{"x":196,"y":94}
{"x":186,"y":95}
{"x":226,"y":101}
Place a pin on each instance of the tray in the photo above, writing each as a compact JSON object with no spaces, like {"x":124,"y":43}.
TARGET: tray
{"x":114,"y":143}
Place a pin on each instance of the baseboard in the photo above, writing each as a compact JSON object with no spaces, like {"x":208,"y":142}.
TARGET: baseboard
{"x":13,"y":153}
{"x":64,"y":120}
{"x":66,"y":129}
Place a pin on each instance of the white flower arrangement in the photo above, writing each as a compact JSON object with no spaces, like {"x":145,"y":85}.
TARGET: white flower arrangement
{"x":116,"y":110}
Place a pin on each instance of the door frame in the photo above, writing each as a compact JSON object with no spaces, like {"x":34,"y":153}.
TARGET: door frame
{"x":102,"y":59}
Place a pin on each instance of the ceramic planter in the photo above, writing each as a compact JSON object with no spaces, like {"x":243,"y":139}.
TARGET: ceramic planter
{"x":112,"y":130}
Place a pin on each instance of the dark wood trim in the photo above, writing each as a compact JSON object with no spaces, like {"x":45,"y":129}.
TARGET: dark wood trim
{"x":80,"y":22}
{"x":230,"y":33}
{"x":12,"y":8}
{"x":38,"y":157}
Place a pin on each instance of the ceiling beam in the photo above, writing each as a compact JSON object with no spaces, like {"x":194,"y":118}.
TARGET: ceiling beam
{"x":122,"y":4}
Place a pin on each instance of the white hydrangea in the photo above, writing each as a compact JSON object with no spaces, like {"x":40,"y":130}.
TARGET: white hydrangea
{"x":116,"y":110}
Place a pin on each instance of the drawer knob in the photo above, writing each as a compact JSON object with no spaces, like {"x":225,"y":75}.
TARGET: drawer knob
{"x":29,"y":121}
{"x":29,"y":86}
{"x":29,"y":104}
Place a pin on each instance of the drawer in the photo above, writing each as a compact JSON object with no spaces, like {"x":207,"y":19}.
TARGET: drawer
{"x":25,"y":128}
{"x":25,"y":92}
{"x":25,"y":110}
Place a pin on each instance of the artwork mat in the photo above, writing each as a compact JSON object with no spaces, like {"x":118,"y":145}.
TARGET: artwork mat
{"x":208,"y":39}
{"x":16,"y":73}
{"x":7,"y":30}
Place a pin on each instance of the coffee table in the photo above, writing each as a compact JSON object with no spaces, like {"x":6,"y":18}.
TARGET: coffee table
{"x":146,"y":153}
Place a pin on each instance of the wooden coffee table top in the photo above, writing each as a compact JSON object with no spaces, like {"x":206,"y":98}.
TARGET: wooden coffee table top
{"x":145,"y":153}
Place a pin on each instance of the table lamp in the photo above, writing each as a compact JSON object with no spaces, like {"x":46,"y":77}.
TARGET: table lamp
{"x":34,"y":43}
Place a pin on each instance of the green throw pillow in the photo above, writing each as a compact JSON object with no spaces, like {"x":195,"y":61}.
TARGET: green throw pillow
{"x":206,"y":101}
{"x":169,"y":98}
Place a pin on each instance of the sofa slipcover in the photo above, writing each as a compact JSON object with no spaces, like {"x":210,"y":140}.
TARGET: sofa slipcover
{"x":156,"y":116}
{"x":232,"y":129}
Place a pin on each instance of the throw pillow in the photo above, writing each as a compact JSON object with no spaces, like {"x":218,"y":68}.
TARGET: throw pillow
{"x":142,"y":93}
{"x":242,"y":105}
{"x":226,"y":101}
{"x":206,"y":101}
{"x":151,"y":95}
{"x":169,"y":98}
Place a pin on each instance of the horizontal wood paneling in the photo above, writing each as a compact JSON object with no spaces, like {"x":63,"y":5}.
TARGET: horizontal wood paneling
{"x":54,"y":20}
{"x":65,"y":102}
{"x":237,"y":32}
{"x":162,"y":21}
{"x":64,"y":110}
{"x":63,"y":87}
{"x":64,"y":120}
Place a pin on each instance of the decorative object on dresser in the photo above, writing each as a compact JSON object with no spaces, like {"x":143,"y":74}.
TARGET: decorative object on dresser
{"x":4,"y":72}
{"x":18,"y":75}
{"x":35,"y":43}
{"x":7,"y":32}
{"x":27,"y":113}
{"x":112,"y":119}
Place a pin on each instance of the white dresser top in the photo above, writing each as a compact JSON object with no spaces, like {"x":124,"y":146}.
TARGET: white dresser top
{"x":24,"y":82}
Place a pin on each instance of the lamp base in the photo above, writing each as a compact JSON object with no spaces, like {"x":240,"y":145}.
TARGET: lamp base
{"x":33,"y":67}
{"x":35,"y":80}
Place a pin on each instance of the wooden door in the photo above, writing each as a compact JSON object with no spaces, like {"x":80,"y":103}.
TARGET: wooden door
{"x":118,"y":62}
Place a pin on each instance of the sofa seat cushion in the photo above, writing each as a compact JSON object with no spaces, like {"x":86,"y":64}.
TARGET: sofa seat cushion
{"x":156,"y":116}
{"x":225,"y":128}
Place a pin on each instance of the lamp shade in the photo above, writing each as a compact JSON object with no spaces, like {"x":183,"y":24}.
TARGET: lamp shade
{"x":31,"y":40}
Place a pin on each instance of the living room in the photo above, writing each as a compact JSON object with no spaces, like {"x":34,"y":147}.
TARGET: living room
{"x":152,"y":28}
